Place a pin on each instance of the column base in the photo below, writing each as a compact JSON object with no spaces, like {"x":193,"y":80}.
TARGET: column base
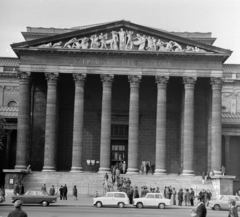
{"x":188,"y":173}
{"x":132,"y":171}
{"x":104,"y":170}
{"x":76,"y":170}
{"x":160,"y":172}
{"x":20,"y":167}
{"x":48,"y":169}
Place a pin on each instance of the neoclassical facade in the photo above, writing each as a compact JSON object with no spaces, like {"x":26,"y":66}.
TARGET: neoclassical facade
{"x":94,"y":96}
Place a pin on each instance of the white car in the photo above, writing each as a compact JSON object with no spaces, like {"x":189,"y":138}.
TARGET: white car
{"x":152,"y":200}
{"x":119,"y":199}
{"x":222,"y":201}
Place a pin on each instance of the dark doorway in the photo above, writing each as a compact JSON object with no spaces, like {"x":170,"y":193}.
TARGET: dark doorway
{"x":119,"y":151}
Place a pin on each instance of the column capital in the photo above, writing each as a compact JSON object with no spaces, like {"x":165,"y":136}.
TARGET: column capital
{"x":161,"y":81}
{"x":51,"y":78}
{"x":189,"y":82}
{"x":107,"y":79}
{"x":216,"y":83}
{"x":134,"y":80}
{"x":79,"y":78}
{"x":24,"y":77}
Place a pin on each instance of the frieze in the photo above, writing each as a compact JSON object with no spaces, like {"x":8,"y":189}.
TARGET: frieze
{"x":122,"y":40}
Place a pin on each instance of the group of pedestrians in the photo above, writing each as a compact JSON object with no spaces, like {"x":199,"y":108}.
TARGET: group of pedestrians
{"x":18,"y":189}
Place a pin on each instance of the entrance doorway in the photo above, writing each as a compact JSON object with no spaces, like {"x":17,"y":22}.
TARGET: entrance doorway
{"x":119,"y":151}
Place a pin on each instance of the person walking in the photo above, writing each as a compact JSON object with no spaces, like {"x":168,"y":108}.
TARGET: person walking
{"x":174,"y":193}
{"x":106,"y":177}
{"x":65,"y":190}
{"x":61,"y":192}
{"x":52,"y":190}
{"x":201,"y":210}
{"x":187,"y":195}
{"x":44,"y":188}
{"x":180,"y":197}
{"x":16,"y":189}
{"x":233,"y":212}
{"x":147,"y":168}
{"x":75,"y":192}
{"x":21,"y":189}
{"x":18,"y":212}
{"x":124,"y":166}
{"x":192,"y":196}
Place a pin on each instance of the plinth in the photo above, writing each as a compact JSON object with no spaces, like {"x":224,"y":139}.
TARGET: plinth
{"x":223,"y":185}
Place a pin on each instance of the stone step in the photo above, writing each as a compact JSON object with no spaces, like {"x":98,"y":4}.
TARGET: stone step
{"x":89,"y":183}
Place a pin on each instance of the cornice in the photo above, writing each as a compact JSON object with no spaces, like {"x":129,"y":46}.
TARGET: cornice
{"x":119,"y":53}
{"x":8,"y":75}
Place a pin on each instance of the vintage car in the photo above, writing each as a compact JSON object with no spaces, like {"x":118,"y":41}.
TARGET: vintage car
{"x":2,"y":199}
{"x":152,"y":200}
{"x":35,"y":197}
{"x":221,"y":202}
{"x":119,"y":199}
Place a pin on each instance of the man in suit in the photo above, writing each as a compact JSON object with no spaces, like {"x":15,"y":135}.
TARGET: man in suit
{"x":201,"y":210}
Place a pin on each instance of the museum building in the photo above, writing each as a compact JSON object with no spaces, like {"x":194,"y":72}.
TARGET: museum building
{"x":97,"y":95}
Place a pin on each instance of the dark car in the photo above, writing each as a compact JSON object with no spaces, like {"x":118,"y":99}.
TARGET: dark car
{"x":35,"y":197}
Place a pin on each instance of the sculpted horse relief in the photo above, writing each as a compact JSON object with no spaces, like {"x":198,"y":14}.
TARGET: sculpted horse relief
{"x":122,"y":40}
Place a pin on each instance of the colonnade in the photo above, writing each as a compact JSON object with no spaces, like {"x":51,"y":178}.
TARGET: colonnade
{"x":105,"y":146}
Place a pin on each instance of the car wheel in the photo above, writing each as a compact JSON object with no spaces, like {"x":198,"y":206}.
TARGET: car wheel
{"x":45,"y":203}
{"x":217,"y":207}
{"x":161,"y":206}
{"x":120,"y":205}
{"x":139,"y":205}
{"x":98,"y":204}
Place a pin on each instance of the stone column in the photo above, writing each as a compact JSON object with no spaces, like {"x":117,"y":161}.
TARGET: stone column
{"x":8,"y":148}
{"x":188,"y":126}
{"x":105,"y":147}
{"x":50,"y":151}
{"x":23,"y":127}
{"x":133,"y":124}
{"x":227,"y":152}
{"x":78,"y":122}
{"x":161,"y":125}
{"x":216,"y":133}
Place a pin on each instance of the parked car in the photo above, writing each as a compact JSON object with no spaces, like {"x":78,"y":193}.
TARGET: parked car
{"x":35,"y":197}
{"x":152,"y":200}
{"x":2,"y":199}
{"x":119,"y":199}
{"x":221,"y":202}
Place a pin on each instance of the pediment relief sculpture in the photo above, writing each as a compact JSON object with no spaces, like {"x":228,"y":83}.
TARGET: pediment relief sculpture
{"x":122,"y":40}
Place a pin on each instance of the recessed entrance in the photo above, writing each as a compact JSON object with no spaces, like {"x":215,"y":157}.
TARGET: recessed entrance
{"x":119,"y":144}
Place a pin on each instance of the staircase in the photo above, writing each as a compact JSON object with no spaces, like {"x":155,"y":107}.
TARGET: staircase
{"x":88,"y":183}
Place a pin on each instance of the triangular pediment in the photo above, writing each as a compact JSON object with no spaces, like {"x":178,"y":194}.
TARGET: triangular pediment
{"x":121,"y":36}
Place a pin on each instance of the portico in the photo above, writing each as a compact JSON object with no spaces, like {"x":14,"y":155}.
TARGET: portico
{"x":162,"y":97}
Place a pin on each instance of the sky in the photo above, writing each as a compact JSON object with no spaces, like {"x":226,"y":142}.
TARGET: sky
{"x":220,"y":17}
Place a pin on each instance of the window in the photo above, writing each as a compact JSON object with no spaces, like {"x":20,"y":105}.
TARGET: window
{"x":158,"y":196}
{"x":39,"y":193}
{"x":119,"y":195}
{"x":120,"y":131}
{"x":31,"y":193}
{"x":150,"y":196}
{"x":12,"y":104}
{"x":110,"y":195}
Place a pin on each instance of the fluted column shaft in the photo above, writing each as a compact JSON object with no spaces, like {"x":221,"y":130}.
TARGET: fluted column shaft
{"x":160,"y":165}
{"x":216,"y":133}
{"x":78,"y":122}
{"x":105,"y":146}
{"x":50,"y":150}
{"x":227,"y":152}
{"x":23,"y":127}
{"x":133,"y":124}
{"x":188,"y":126}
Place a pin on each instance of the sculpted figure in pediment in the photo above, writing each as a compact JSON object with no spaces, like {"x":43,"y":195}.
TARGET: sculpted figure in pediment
{"x":161,"y":45}
{"x":94,"y":42}
{"x":177,"y":47}
{"x":154,"y":41}
{"x":45,"y":45}
{"x":103,"y":39}
{"x":141,"y":41}
{"x":169,"y":46}
{"x":57,"y":44}
{"x":129,"y":45}
{"x":122,"y":39}
{"x":70,"y":43}
{"x":199,"y":50}
{"x":151,"y":43}
{"x":76,"y":44}
{"x":113,"y":43}
{"x":190,"y":49}
{"x":84,"y":43}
